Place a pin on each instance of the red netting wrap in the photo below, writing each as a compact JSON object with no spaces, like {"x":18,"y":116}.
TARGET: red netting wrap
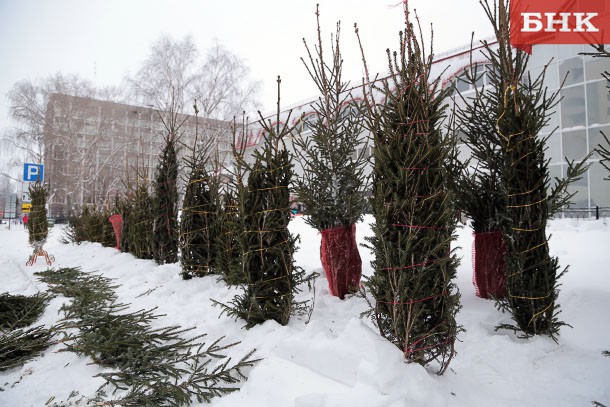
{"x":117,"y":226}
{"x":341,"y":260}
{"x":488,"y":262}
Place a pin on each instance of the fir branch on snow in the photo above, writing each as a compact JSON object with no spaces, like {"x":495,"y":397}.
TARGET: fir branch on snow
{"x":18,"y":343}
{"x":155,"y":367}
{"x":19,"y":311}
{"x":21,"y":345}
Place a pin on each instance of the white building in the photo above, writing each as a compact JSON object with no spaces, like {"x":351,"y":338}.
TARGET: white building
{"x":579,"y":118}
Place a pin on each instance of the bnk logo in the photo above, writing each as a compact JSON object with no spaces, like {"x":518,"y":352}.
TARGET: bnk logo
{"x":559,"y":22}
{"x":562,"y":22}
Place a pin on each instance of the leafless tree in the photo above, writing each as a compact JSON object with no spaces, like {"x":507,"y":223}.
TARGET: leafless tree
{"x":222,"y":85}
{"x":173,"y":75}
{"x":81,"y":146}
{"x":28,"y":101}
{"x":164,"y":77}
{"x":54,"y":122}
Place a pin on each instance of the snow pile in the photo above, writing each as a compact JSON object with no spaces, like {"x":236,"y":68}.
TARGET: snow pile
{"x":333,"y":357}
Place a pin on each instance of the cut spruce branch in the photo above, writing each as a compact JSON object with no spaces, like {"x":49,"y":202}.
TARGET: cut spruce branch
{"x":21,"y":345}
{"x":20,"y":311}
{"x":153,"y":367}
{"x":18,"y":344}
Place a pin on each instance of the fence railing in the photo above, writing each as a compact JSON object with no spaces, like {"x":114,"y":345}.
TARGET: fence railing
{"x":591,"y":212}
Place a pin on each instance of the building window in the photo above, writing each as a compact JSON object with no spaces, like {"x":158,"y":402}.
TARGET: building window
{"x":573,"y":107}
{"x":600,"y":187}
{"x":596,"y":138}
{"x":580,"y":189}
{"x":598,"y":103}
{"x":572,"y":70}
{"x":553,"y":151}
{"x":575,"y":144}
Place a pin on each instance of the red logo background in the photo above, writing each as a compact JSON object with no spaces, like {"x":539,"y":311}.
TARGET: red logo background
{"x":524,"y":40}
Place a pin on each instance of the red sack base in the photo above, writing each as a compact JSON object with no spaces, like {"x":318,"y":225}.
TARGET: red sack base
{"x":341,"y":260}
{"x":488,"y":262}
{"x":117,"y":225}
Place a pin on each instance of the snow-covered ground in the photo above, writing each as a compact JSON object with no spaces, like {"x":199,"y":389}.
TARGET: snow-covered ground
{"x":335,"y":358}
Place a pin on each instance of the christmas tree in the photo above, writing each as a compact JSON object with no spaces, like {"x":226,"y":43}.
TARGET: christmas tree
{"x":604,"y":148}
{"x":198,"y":222}
{"x":416,"y":299}
{"x":138,"y":214}
{"x":272,"y":278}
{"x":522,"y":108}
{"x":333,"y":183}
{"x":166,"y":209}
{"x":228,"y":250}
{"x":477,"y":191}
{"x":38,"y":226}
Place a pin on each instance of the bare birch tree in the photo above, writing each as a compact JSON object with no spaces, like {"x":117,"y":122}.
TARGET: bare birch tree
{"x":174,"y":74}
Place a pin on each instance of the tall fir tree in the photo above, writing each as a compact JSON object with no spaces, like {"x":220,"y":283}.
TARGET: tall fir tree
{"x":333,"y":158}
{"x":166,"y":209}
{"x":416,"y":299}
{"x":272,"y":278}
{"x":199,"y":219}
{"x":522,"y":107}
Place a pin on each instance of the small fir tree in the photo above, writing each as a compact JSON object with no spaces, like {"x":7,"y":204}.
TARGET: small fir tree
{"x":38,"y":226}
{"x":166,"y":209}
{"x":333,"y":157}
{"x":416,"y":299}
{"x":91,"y":225}
{"x":268,"y":247}
{"x":228,"y":253}
{"x":138,"y":214}
{"x":199,"y":219}
{"x":230,"y":241}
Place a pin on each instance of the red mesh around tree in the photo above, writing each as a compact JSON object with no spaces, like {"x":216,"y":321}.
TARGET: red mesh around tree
{"x":488,"y":262}
{"x":341,"y":260}
{"x":117,"y":225}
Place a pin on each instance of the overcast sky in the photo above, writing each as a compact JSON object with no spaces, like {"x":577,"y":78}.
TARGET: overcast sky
{"x":104,"y":40}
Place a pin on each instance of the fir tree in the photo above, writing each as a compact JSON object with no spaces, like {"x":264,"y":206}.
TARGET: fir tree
{"x":138,"y":214}
{"x":477,"y":192}
{"x":166,"y":197}
{"x":228,"y":253}
{"x":416,"y":299}
{"x":198,"y":222}
{"x":268,"y":247}
{"x":521,"y":110}
{"x":333,"y":183}
{"x":38,"y":226}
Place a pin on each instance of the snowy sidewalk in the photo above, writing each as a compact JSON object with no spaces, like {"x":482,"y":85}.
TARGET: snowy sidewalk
{"x":339,"y":359}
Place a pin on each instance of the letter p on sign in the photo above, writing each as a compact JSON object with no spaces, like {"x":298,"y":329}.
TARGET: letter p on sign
{"x":33,"y":172}
{"x":534,"y":22}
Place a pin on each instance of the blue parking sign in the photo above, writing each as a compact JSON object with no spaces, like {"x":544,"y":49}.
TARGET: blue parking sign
{"x":33,"y":172}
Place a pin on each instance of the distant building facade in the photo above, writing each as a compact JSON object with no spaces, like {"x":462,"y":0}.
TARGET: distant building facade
{"x":95,"y":150}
